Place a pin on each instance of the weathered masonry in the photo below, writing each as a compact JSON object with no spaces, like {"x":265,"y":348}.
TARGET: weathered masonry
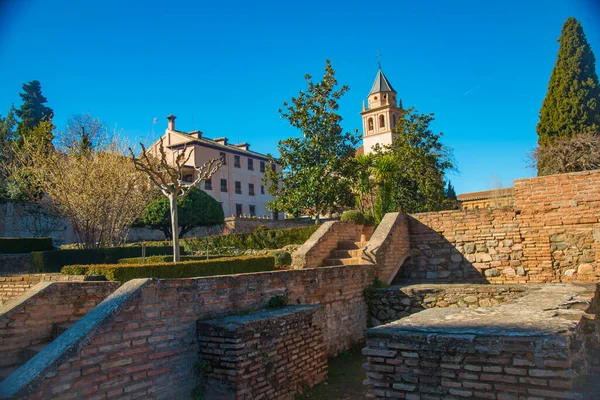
{"x":542,"y":344}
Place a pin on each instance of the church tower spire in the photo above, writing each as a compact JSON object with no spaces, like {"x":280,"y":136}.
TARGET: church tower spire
{"x":381,"y":115}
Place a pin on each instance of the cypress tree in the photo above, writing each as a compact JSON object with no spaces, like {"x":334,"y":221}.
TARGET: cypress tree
{"x":33,"y":110}
{"x":572,"y":104}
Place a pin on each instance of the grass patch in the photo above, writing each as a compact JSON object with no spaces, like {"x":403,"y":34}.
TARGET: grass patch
{"x":345,"y":378}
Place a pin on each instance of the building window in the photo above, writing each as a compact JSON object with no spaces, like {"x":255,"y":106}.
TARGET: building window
{"x":381,"y":121}
{"x":252,"y":210}
{"x":187,"y":178}
{"x":223,"y":157}
{"x":250,"y":164}
{"x":251,"y":189}
{"x":236,"y":161}
{"x":238,"y":210}
{"x":273,"y":167}
{"x":262,"y":166}
{"x":262,"y":189}
{"x":370,"y":122}
{"x":208,"y":184}
{"x":238,"y":187}
{"x":223,"y":185}
{"x":394,"y":121}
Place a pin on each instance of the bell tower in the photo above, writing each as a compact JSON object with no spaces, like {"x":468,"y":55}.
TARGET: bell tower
{"x":380,"y":115}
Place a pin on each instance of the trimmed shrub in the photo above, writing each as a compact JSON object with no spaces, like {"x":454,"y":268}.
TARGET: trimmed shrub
{"x":369,"y":220}
{"x":353,"y":217}
{"x":53,"y":261}
{"x":185,"y":269}
{"x":283,"y":259}
{"x":161,"y":259}
{"x":24,"y":245}
{"x":258,"y":240}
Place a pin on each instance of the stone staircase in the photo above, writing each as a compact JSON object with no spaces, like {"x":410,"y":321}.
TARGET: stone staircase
{"x":31,"y":351}
{"x":347,"y":253}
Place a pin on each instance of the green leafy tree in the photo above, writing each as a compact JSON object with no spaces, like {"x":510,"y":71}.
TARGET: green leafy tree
{"x":314,"y":167}
{"x":384,"y":171}
{"x":363,"y":185}
{"x":417,"y":184}
{"x":195,"y":210}
{"x":33,"y":110}
{"x":572,"y":104}
{"x":450,"y":192}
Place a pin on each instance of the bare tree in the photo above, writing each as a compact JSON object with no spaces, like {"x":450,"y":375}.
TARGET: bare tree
{"x":83,"y":131}
{"x":100,"y":192}
{"x":578,"y":153}
{"x":167,"y":177}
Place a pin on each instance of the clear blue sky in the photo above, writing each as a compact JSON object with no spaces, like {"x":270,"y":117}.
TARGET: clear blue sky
{"x":226,"y":67}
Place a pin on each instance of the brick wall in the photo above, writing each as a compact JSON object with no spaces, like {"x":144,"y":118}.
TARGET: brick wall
{"x":31,"y":319}
{"x":16,"y":285}
{"x":392,"y":303}
{"x":511,"y":351}
{"x":552,"y":235}
{"x":272,"y":354}
{"x":318,"y":247}
{"x":148,"y":346}
{"x":389,"y":246}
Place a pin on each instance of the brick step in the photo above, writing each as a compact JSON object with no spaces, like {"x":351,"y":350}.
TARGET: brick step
{"x":31,"y":351}
{"x":5,"y":372}
{"x":342,"y":261}
{"x":346,"y":253}
{"x":346,"y":245}
{"x":59,"y":329}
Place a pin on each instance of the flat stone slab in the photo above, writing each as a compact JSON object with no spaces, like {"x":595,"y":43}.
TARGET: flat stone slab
{"x":544,"y":309}
{"x":233,"y":322}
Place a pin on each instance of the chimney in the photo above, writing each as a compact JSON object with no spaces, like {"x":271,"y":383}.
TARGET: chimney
{"x":171,"y":125}
{"x":243,"y":146}
{"x":221,"y":140}
{"x":197,"y":134}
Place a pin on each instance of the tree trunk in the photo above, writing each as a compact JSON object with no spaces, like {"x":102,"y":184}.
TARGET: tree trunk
{"x":174,"y":225}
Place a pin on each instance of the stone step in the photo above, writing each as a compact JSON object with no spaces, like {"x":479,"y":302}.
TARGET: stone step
{"x":346,"y":253}
{"x":346,"y":245}
{"x":59,"y":329}
{"x":342,"y":261}
{"x":5,"y":372}
{"x":31,"y":351}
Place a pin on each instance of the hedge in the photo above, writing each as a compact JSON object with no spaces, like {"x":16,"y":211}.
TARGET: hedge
{"x":161,"y":259}
{"x":353,"y":217}
{"x":185,"y":269}
{"x":24,"y":245}
{"x":257,"y":240}
{"x":53,"y":261}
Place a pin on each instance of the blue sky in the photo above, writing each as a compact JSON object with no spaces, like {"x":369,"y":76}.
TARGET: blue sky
{"x":225,"y":68}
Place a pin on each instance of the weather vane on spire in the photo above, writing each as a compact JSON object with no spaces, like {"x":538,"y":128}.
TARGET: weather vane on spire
{"x":378,"y":59}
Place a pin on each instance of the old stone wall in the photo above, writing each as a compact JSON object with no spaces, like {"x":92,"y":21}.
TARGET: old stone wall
{"x":148,"y":345}
{"x":31,"y":319}
{"x":539,"y":345}
{"x":551,"y":235}
{"x":271,"y":354}
{"x":395,"y":302}
{"x":16,"y":285}
{"x":318,"y":247}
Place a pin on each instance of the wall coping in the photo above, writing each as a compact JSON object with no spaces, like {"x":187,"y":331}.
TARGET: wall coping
{"x":551,"y":309}
{"x":234,"y":322}
{"x":26,"y":379}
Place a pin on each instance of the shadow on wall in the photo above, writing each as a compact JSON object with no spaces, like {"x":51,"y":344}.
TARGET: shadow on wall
{"x":433,"y":257}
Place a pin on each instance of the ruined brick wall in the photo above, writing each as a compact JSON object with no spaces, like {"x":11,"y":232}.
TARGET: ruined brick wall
{"x":31,"y":320}
{"x":16,"y":285}
{"x":150,"y":346}
{"x":318,"y":247}
{"x":273,"y":354}
{"x":552,"y":235}
{"x":389,"y":246}
{"x":389,"y":304}
{"x":518,"y":349}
